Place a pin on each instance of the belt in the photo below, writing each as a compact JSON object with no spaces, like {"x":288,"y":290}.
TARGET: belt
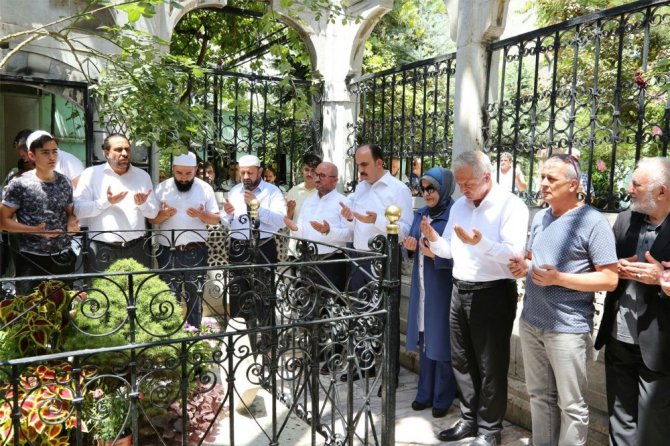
{"x":464,"y":285}
{"x":261,"y":241}
{"x":191,"y":246}
{"x":128,"y":244}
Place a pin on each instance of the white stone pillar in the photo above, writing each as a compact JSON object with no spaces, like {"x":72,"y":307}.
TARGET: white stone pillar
{"x":336,"y":50}
{"x":473,"y":24}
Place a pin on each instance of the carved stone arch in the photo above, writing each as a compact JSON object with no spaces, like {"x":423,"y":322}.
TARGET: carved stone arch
{"x":176,"y":14}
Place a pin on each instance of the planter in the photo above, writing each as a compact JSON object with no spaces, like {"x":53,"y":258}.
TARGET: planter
{"x":123,"y":441}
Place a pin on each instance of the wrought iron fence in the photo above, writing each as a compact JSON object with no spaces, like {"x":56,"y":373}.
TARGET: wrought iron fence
{"x":111,"y":354}
{"x":261,"y":115}
{"x":407,"y":110}
{"x":596,"y":87}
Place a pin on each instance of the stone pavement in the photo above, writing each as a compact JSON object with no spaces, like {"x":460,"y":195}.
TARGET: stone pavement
{"x":412,"y":428}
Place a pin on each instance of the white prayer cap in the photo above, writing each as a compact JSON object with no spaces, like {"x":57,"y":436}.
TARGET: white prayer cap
{"x":188,"y":159}
{"x":34,"y":136}
{"x":249,"y":161}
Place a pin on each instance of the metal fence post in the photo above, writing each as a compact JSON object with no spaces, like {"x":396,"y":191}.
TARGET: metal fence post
{"x":391,"y":289}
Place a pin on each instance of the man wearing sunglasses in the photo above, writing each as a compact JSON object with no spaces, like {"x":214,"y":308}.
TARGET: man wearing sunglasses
{"x":570,"y":256}
{"x":487,"y":226}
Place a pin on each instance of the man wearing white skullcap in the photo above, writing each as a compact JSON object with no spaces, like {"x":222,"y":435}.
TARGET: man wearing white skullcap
{"x":271,"y":215}
{"x":115,"y":196}
{"x":188,"y":205}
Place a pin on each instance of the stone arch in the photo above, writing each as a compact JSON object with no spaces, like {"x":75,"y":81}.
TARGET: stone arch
{"x":175,"y":15}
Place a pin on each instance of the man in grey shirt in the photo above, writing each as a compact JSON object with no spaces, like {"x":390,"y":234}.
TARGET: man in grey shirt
{"x":570,"y":256}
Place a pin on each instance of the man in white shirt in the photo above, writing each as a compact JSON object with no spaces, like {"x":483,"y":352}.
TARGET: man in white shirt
{"x":376,"y":190}
{"x":297,"y":195}
{"x":188,"y":205}
{"x":506,"y":178}
{"x":271,"y":215}
{"x":487,"y":227}
{"x":115,"y":196}
{"x":322,"y":221}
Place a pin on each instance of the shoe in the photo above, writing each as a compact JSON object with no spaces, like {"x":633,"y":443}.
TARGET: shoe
{"x":420,"y":406}
{"x":440,"y":413}
{"x":324,"y":370}
{"x":460,"y":431}
{"x":369,"y":373}
{"x":487,"y":440}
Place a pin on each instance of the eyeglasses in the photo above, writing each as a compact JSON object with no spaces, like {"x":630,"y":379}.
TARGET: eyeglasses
{"x":568,"y":159}
{"x":427,"y":190}
{"x":321,"y":176}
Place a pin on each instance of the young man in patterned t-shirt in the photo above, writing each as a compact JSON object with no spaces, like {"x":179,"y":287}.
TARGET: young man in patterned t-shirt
{"x":41,"y":201}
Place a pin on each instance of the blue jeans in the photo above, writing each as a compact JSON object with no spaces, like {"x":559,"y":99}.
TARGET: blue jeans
{"x":188,"y":283}
{"x":555,"y":368}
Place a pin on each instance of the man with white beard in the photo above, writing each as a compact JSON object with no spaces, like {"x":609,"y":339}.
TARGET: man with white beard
{"x":635,"y":322}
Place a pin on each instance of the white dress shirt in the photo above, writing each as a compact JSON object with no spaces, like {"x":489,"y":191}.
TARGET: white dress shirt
{"x":502,"y":218}
{"x":185,"y":229}
{"x":271,"y":212}
{"x":69,"y":165}
{"x":326,"y":208}
{"x":90,"y":202}
{"x":299,"y":193}
{"x":376,"y":198}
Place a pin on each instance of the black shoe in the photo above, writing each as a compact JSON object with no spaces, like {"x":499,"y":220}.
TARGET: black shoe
{"x":460,"y":431}
{"x":487,"y":440}
{"x":420,"y":406}
{"x":440,"y":413}
{"x":324,"y":370}
{"x":369,"y":373}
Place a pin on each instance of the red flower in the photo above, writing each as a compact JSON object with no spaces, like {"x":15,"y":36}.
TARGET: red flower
{"x":639,"y":80}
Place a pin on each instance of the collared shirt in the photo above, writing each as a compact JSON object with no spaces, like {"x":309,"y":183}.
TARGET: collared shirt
{"x":625,"y":324}
{"x":324,"y":208}
{"x":181,"y":229}
{"x":90,"y":202}
{"x":376,"y":198}
{"x":299,"y":193}
{"x":271,"y":212}
{"x":574,"y":242}
{"x":69,"y":165}
{"x":502,"y":219}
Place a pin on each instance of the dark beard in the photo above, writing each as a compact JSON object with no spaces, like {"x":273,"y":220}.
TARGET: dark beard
{"x":184,"y":186}
{"x":252,"y":186}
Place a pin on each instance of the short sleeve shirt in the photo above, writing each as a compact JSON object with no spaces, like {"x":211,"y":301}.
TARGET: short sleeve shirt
{"x":38,"y":202}
{"x":575,"y":242}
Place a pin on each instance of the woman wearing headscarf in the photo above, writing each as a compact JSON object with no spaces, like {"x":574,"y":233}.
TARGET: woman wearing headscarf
{"x":430,"y":297}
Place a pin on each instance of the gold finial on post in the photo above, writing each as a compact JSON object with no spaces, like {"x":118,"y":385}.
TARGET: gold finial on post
{"x":253,"y":208}
{"x":393,"y":215}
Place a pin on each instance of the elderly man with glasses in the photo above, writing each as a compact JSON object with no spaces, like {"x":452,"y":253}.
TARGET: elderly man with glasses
{"x":570,"y":256}
{"x":487,"y":226}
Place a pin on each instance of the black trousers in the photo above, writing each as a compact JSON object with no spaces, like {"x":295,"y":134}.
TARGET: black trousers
{"x":101,"y":255}
{"x":638,"y":399}
{"x":28,"y":264}
{"x":249,"y":289}
{"x":481,"y":325}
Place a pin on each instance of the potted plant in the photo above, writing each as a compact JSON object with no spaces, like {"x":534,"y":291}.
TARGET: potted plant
{"x":108,"y":414}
